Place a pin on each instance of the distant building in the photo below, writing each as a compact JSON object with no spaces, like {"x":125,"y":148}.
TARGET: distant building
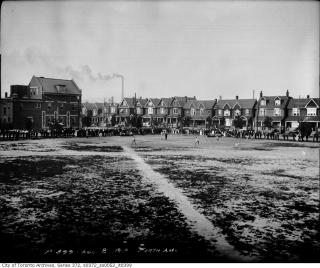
{"x":227,"y":111}
{"x":198,"y":113}
{"x":43,"y":102}
{"x":273,"y":108}
{"x":302,"y":111}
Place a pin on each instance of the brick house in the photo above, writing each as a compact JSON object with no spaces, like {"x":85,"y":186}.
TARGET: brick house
{"x":274,"y":108}
{"x":162,"y":111}
{"x":199,"y":112}
{"x":43,"y":102}
{"x":226,"y":111}
{"x":303,"y":111}
{"x":150,"y":111}
{"x":176,"y":110}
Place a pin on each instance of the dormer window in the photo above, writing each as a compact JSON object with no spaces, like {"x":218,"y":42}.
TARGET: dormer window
{"x":138,"y":110}
{"x":193,"y":111}
{"x":277,"y":102}
{"x":113,"y":110}
{"x":311,"y":111}
{"x":237,"y":112}
{"x":226,"y":112}
{"x":61,"y":88}
{"x":263,"y":102}
{"x":296,"y":111}
{"x":220,"y":112}
{"x":201,"y":111}
{"x":150,"y":110}
{"x":161,"y":110}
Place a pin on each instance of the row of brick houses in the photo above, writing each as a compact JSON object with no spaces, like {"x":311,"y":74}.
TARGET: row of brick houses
{"x":47,"y":101}
{"x":281,"y":111}
{"x":42,"y":103}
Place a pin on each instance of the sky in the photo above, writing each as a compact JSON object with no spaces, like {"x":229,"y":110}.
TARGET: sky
{"x":203,"y":48}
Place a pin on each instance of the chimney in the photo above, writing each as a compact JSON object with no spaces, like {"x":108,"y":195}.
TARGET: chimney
{"x":287,"y":93}
{"x":194,"y":97}
{"x":215,"y":100}
{"x":308,"y":96}
{"x":261,"y":94}
{"x":186,"y":98}
{"x":220,"y":97}
{"x":237,"y":97}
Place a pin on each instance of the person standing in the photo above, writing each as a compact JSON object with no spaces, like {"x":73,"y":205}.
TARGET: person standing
{"x":196,"y":141}
{"x":133,"y":141}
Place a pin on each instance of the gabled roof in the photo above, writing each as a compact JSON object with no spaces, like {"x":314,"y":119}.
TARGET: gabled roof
{"x":130,"y":102}
{"x":301,"y":103}
{"x":315,"y":101}
{"x":51,"y":85}
{"x":244,"y":103}
{"x":166,"y":101}
{"x":207,"y":104}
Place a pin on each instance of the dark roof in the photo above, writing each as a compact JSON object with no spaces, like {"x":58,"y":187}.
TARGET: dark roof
{"x":49,"y":85}
{"x":182,"y":100}
{"x":271,"y":99}
{"x":167,"y":101}
{"x":207,"y":104}
{"x":130,"y":102}
{"x":89,"y":106}
{"x":299,"y":103}
{"x":244,"y":103}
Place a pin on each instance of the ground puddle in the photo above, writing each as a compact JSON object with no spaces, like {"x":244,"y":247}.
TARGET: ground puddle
{"x":198,"y":222}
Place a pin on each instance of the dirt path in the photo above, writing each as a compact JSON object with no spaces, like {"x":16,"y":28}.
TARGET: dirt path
{"x":197,"y":221}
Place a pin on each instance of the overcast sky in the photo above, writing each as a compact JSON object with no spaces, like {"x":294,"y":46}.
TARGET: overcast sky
{"x":202,"y":48}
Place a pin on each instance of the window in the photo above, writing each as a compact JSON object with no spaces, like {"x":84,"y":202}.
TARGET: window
{"x":262,"y":112}
{"x":193,"y":111}
{"x":38,"y":105}
{"x":150,"y":110}
{"x":201,"y":111}
{"x":263,"y":102}
{"x":113,"y":110}
{"x":220,"y":112}
{"x":277,"y":102}
{"x":276,"y":112}
{"x":311,"y":111}
{"x":295,"y":111}
{"x":237,"y":112}
{"x":73,"y":107}
{"x":138,"y":110}
{"x":4,"y":110}
{"x":226,"y":112}
{"x":61,"y":106}
{"x":9,"y":119}
{"x":161,"y":110}
{"x":175,"y":110}
{"x":247,"y":112}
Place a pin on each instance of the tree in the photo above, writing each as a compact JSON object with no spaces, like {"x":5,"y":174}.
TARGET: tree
{"x":113,"y":120}
{"x":139,"y":121}
{"x":186,"y":121}
{"x":267,"y":122}
{"x":238,"y":122}
{"x":209,"y":121}
{"x":86,"y":121}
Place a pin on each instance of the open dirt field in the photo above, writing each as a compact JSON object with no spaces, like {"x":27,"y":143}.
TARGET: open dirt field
{"x":159,"y":201}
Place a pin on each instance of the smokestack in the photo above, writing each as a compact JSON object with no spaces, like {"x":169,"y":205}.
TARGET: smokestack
{"x":122,"y":89}
{"x":287,"y":93}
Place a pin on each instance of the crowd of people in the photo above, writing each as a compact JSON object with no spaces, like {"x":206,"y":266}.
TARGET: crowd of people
{"x":18,"y":134}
